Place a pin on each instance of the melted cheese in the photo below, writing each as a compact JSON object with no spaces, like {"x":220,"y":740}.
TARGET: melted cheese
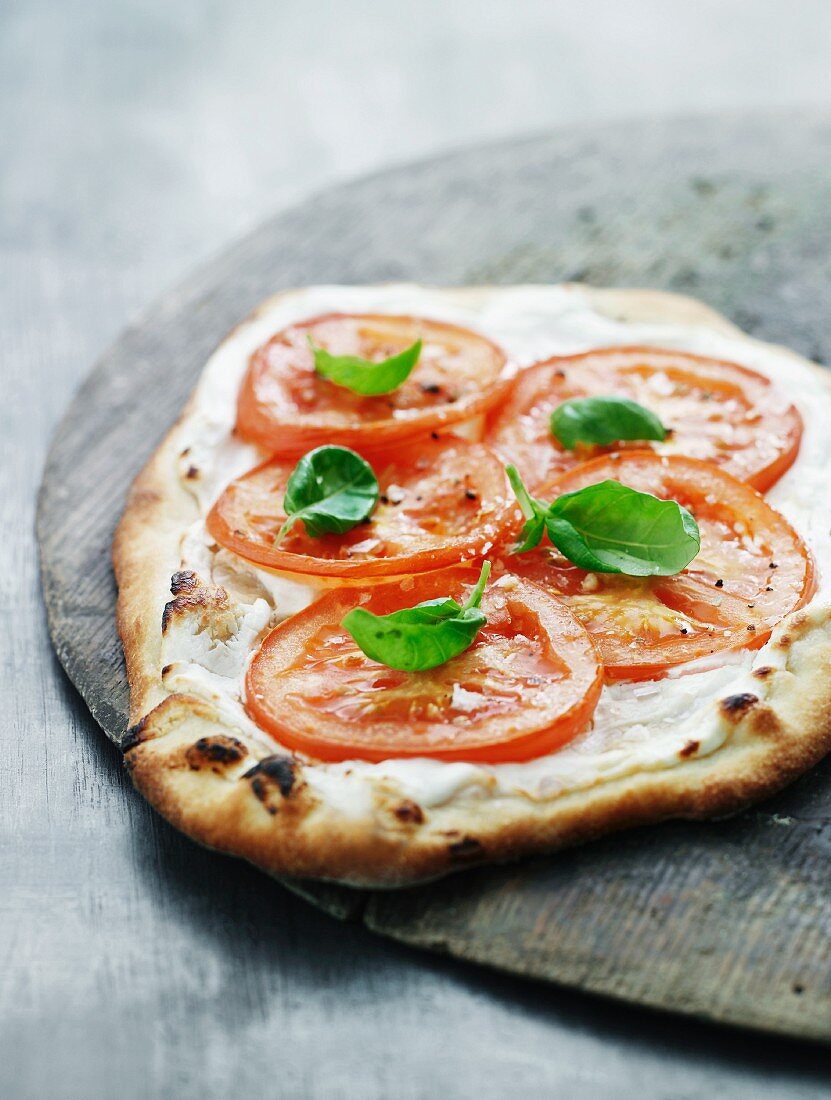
{"x":637,"y":727}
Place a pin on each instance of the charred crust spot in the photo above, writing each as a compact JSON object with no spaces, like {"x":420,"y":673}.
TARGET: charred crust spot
{"x":260,"y":790}
{"x":192,"y":472}
{"x":166,"y":669}
{"x":689,"y":749}
{"x":784,"y":641}
{"x":466,"y":848}
{"x":409,"y":812}
{"x":183,"y":586}
{"x":189,"y":593}
{"x":134,"y":735}
{"x":281,"y":770}
{"x":220,"y":749}
{"x":183,"y":582}
{"x":763,"y":673}
{"x":765,"y":723}
{"x":736,"y":707}
{"x":272,"y":770}
{"x":170,"y":610}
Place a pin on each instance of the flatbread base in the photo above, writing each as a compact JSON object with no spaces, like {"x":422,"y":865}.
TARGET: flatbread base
{"x":226,"y":789}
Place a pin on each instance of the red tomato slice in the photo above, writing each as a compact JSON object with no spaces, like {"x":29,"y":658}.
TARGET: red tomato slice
{"x":753,"y":569}
{"x":527,"y":685}
{"x":715,"y":410}
{"x":287,"y":408}
{"x":441,"y":503}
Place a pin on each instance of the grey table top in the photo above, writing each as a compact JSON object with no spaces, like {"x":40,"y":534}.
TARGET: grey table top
{"x":134,"y":963}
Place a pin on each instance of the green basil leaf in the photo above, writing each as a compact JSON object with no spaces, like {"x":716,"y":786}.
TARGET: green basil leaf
{"x":421,"y":637}
{"x":331,"y":490}
{"x":610,"y":528}
{"x":362,"y":375}
{"x":535,"y":512}
{"x":603,"y":420}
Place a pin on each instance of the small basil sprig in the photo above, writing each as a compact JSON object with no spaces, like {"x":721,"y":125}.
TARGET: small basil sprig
{"x":420,"y":637}
{"x":331,"y":490}
{"x":362,"y":375}
{"x":610,"y":528}
{"x":603,"y":420}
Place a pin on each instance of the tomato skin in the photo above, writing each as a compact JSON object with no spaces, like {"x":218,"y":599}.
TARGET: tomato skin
{"x":316,"y":693}
{"x":717,"y":411}
{"x":445,"y":502}
{"x":287,"y":409}
{"x":753,"y":569}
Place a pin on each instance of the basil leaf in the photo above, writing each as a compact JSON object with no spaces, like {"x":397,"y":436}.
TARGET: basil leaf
{"x":603,"y":420}
{"x":534,"y":511}
{"x":362,"y":375}
{"x":610,"y":528}
{"x":421,"y":637}
{"x":331,"y":490}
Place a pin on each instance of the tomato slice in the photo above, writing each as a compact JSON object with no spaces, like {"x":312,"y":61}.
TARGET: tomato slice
{"x":715,"y":410}
{"x":285,"y":407}
{"x":752,"y":570}
{"x":441,"y":503}
{"x":527,"y":685}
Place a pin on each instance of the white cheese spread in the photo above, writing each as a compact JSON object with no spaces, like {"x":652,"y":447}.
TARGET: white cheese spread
{"x":636,"y":727}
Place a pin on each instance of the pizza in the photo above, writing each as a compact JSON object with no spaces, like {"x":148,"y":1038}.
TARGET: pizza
{"x":426,"y":578}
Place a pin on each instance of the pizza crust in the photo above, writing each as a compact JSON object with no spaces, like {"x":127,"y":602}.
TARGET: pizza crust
{"x":224,"y":784}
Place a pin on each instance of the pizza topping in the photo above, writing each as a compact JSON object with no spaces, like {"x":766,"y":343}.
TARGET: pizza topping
{"x":603,"y":420}
{"x":352,"y":387}
{"x":366,"y":377}
{"x":729,"y":597}
{"x":653,"y":559}
{"x":607,"y":527}
{"x":440,"y":503}
{"x":421,"y":637}
{"x":710,"y":409}
{"x":332,"y":489}
{"x":527,"y":684}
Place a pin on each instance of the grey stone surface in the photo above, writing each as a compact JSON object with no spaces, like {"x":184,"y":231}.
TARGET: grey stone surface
{"x":133,"y":963}
{"x":727,"y":922}
{"x":757,"y":898}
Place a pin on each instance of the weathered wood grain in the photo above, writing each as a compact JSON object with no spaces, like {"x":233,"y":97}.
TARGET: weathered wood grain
{"x":727,"y":921}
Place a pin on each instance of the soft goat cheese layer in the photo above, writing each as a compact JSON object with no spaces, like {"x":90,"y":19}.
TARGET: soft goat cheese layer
{"x":637,"y":727}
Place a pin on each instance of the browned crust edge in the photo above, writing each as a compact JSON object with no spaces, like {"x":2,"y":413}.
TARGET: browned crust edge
{"x":222,"y":788}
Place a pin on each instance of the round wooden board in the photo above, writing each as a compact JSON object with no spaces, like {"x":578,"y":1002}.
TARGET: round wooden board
{"x":727,"y":921}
